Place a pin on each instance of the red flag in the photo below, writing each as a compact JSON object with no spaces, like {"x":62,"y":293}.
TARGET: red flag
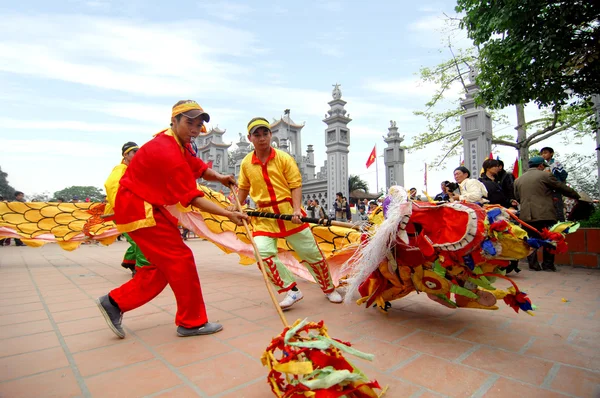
{"x":372,"y":157}
{"x":517,"y":169}
{"x":491,"y":156}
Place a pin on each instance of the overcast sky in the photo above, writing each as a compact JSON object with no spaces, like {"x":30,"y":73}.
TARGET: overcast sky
{"x":80,"y":78}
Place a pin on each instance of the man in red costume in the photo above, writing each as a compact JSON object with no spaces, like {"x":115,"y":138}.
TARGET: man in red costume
{"x":164,"y":172}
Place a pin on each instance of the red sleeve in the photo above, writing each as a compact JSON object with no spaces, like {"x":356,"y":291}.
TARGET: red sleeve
{"x":197,"y":165}
{"x":181,"y":184}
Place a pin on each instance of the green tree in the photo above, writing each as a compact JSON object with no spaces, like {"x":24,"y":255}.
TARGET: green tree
{"x":6,"y":190}
{"x":443,"y":114}
{"x":95,"y":194}
{"x":355,"y":182}
{"x":535,"y":50}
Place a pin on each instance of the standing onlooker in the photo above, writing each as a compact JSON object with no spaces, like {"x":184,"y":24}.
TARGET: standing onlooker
{"x":507,"y":183}
{"x":495,"y":195}
{"x":19,"y":197}
{"x":561,"y":175}
{"x":339,"y":207}
{"x":361,"y":205}
{"x":310,"y":208}
{"x":534,"y":191}
{"x":318,"y":210}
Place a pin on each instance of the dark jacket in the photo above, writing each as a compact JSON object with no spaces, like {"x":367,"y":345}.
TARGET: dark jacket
{"x":507,"y":183}
{"x":533,"y":190}
{"x":495,"y":194}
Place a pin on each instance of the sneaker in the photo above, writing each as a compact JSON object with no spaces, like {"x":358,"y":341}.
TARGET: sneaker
{"x":334,"y":297}
{"x":112,"y":315}
{"x":549,"y":267}
{"x":290,"y":298}
{"x":207,"y":328}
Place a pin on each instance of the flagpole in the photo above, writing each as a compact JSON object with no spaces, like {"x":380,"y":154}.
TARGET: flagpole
{"x":376,"y":170}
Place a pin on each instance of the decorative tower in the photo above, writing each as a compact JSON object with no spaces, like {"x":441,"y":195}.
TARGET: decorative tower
{"x":212,"y":148}
{"x":337,"y":141}
{"x":286,"y":129}
{"x":476,"y":128}
{"x":393,"y":157}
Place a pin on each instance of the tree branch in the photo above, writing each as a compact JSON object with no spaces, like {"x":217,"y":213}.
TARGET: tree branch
{"x":528,"y":140}
{"x":450,"y":150}
{"x":549,"y":132}
{"x":432,"y":141}
{"x":457,"y":68}
{"x":506,"y":143}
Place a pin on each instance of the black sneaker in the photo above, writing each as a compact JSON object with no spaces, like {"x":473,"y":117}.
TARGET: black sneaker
{"x":550,"y":268}
{"x":112,"y":315}
{"x":207,"y":328}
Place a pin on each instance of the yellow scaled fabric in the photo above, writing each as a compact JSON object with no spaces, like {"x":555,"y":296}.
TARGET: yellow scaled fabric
{"x":331,"y":240}
{"x":112,"y":186}
{"x":63,"y":221}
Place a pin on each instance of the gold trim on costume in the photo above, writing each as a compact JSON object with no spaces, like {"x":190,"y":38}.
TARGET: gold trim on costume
{"x":149,"y":221}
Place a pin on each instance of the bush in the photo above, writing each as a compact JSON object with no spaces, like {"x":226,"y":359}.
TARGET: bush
{"x":593,"y":221}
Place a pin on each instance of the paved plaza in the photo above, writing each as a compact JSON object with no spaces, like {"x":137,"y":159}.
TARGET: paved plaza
{"x":55,"y":343}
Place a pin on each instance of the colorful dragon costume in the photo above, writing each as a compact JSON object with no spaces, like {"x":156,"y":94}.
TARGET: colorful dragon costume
{"x":453,"y":252}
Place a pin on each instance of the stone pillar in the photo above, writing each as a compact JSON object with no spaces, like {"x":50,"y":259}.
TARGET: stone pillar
{"x":393,"y":157}
{"x":337,"y":141}
{"x":476,"y":129}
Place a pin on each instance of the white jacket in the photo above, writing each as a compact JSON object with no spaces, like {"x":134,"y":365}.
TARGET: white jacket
{"x":472,"y":190}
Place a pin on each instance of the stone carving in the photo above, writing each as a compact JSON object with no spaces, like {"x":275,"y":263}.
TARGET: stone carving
{"x":336,"y":93}
{"x":392,"y":123}
{"x":473,"y":73}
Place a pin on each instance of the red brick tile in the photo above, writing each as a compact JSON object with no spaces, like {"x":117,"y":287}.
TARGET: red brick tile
{"x":31,"y":363}
{"x":133,"y":381}
{"x":502,"y":338}
{"x":378,"y":331}
{"x":445,"y":326}
{"x":23,"y":317}
{"x":178,"y":392}
{"x":442,"y":376}
{"x":520,"y":367}
{"x":24,"y":329}
{"x":565,"y":353}
{"x":540,"y":330}
{"x":585,"y":260}
{"x":254,"y":344}
{"x":91,"y":340}
{"x":576,"y":241}
{"x":433,"y":344}
{"x":387,"y":355}
{"x":503,"y":388}
{"x":184,"y":351}
{"x":225,"y":372}
{"x":149,"y":321}
{"x":72,"y":315}
{"x":593,"y":240}
{"x":71,"y":305}
{"x":259,"y":389}
{"x":19,"y":345}
{"x":236,"y":327}
{"x":563,"y":259}
{"x":18,"y":308}
{"x":112,"y":357}
{"x":578,"y":382}
{"x":55,"y":383}
{"x":83,"y":325}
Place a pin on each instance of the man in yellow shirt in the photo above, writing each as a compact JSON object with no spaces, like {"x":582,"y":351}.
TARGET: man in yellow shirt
{"x":272,"y":179}
{"x":133,"y":256}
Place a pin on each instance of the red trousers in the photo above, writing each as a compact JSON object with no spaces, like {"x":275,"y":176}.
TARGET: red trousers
{"x":172,"y":262}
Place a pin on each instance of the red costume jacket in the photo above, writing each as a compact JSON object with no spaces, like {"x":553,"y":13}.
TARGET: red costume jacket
{"x":163,"y":172}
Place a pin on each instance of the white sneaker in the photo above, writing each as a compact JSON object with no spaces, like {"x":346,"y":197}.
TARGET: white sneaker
{"x":290,"y":298}
{"x":334,"y":297}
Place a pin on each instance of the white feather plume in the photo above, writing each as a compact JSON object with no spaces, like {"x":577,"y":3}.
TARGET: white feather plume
{"x":367,"y":259}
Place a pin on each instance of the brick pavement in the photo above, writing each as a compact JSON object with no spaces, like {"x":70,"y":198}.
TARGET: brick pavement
{"x":54,"y":342}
